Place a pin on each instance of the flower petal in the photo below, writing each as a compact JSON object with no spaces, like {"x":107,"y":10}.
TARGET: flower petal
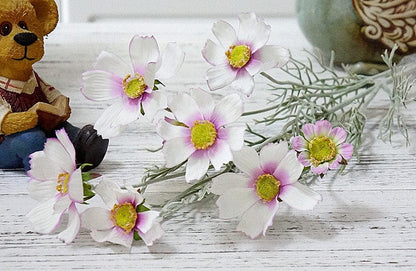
{"x":299,"y":196}
{"x":57,"y":153}
{"x":101,"y":236}
{"x":172,"y":59}
{"x":196,"y":166}
{"x":308,"y":130}
{"x":109,"y":133}
{"x":234,"y":136}
{"x":130,"y":195}
{"x":247,"y":160}
{"x":335,"y":163}
{"x":346,"y":150}
{"x":320,"y":169}
{"x":145,"y":220}
{"x":289,"y":169}
{"x":252,"y":31}
{"x":153,"y":103}
{"x":96,"y":218}
{"x":74,"y":224}
{"x":234,"y":202}
{"x":185,"y":109}
{"x":156,"y":232}
{"x":220,"y":76}
{"x":272,"y":56}
{"x":227,"y":110}
{"x":108,"y":191}
{"x":42,"y":168}
{"x":303,"y":158}
{"x":258,"y":218}
{"x":143,"y":50}
{"x":149,"y":76}
{"x":42,"y":190}
{"x":338,"y":135}
{"x":168,"y":131}
{"x":299,"y":143}
{"x":204,"y":101}
{"x":225,"y":34}
{"x":63,"y":138}
{"x":43,"y":217}
{"x":99,"y":85}
{"x":220,"y":153}
{"x":112,"y":63}
{"x":322,"y":127}
{"x":177,"y":150}
{"x":114,"y":119}
{"x":271,"y":155}
{"x":243,"y":82}
{"x":62,"y":204}
{"x":254,"y":66}
{"x":213,"y":53}
{"x":75,"y":186}
{"x":114,"y":235}
{"x":227,"y":181}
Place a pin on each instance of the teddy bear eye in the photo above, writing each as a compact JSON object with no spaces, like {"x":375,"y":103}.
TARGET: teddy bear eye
{"x":22,"y":25}
{"x":5,"y":28}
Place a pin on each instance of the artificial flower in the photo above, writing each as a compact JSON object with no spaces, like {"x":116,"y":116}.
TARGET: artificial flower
{"x":322,"y":147}
{"x":202,"y":131}
{"x":239,"y":56}
{"x":125,"y":218}
{"x":57,"y":184}
{"x":268,"y":178}
{"x":131,"y":86}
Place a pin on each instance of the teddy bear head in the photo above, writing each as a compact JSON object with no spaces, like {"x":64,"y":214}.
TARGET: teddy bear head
{"x":23,"y":25}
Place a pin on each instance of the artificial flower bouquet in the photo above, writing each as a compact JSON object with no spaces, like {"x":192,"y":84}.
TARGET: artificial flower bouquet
{"x":320,"y":110}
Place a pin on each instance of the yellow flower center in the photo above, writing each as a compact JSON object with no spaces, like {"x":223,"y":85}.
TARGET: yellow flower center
{"x":124,"y":216}
{"x":63,"y":180}
{"x":238,"y":56}
{"x":322,"y":149}
{"x":203,"y":134}
{"x":134,"y":86}
{"x":268,"y":187}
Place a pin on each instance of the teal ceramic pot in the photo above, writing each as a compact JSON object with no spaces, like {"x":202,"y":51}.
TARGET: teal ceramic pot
{"x":358,"y":30}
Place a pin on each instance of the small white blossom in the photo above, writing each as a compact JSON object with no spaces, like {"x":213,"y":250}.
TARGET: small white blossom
{"x":239,"y":56}
{"x":130,"y":86}
{"x":202,"y":132}
{"x":267,"y":179}
{"x":121,"y":220}
{"x":57,"y":184}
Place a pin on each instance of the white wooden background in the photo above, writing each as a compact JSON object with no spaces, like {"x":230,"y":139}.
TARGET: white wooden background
{"x":367,"y":219}
{"x":99,"y":10}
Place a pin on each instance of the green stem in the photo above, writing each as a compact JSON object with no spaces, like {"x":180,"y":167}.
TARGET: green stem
{"x":276,"y":137}
{"x":351,"y":100}
{"x":193,"y":189}
{"x":343,"y":91}
{"x":161,"y":176}
{"x":294,"y":84}
{"x":161,"y":179}
{"x":267,"y":109}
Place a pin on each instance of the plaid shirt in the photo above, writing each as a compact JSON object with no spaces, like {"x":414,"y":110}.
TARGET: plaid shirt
{"x":27,"y":87}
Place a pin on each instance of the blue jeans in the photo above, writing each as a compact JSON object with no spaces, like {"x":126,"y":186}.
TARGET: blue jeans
{"x":16,"y":148}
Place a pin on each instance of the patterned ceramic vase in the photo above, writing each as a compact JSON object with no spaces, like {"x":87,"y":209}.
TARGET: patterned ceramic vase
{"x":358,"y":30}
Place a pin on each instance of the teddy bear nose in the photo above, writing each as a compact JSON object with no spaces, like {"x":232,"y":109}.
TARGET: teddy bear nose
{"x":25,"y":39}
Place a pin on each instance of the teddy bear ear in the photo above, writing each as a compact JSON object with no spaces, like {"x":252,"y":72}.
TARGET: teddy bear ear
{"x":47,"y":14}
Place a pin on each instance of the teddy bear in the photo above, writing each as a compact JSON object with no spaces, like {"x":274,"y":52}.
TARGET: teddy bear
{"x":31,"y":109}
